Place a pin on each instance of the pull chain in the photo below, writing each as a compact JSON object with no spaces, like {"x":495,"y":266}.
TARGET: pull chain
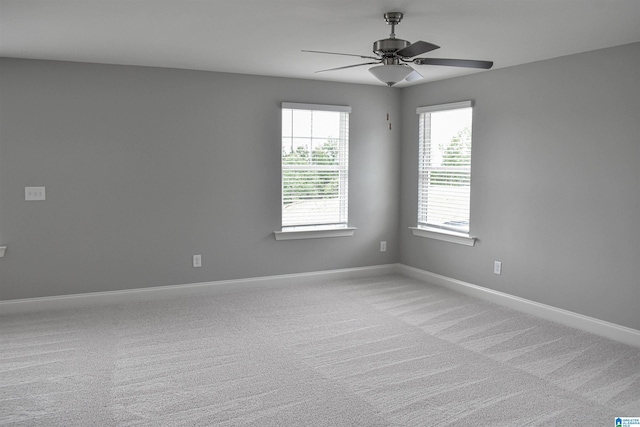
{"x":388,"y":104}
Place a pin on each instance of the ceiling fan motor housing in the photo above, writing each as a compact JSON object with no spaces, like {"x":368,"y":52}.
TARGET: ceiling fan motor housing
{"x":387,"y":47}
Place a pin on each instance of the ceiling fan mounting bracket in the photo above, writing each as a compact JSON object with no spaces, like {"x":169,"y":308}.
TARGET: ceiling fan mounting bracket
{"x":393,"y":19}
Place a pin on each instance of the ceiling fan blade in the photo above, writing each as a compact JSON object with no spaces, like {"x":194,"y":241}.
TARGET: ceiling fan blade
{"x":343,"y":54}
{"x":417,"y":48}
{"x":414,"y":76}
{"x":468,"y":63}
{"x":347,"y":66}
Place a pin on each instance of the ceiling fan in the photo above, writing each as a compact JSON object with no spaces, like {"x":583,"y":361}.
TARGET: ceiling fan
{"x":393,"y":56}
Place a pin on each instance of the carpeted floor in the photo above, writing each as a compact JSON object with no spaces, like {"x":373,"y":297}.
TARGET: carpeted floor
{"x":384,"y":351}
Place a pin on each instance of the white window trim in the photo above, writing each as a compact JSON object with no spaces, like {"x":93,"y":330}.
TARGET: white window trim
{"x":438,"y":233}
{"x":444,"y":235}
{"x":313,"y":233}
{"x":444,"y":107}
{"x":322,"y":107}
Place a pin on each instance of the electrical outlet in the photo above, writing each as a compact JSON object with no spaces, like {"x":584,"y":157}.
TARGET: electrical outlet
{"x":497,"y":267}
{"x":383,"y":246}
{"x":197,"y":260}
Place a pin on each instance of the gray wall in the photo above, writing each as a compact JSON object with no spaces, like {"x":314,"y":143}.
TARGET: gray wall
{"x":145,"y":167}
{"x":555,"y":183}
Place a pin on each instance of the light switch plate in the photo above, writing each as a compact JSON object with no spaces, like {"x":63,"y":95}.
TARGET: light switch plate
{"x":197,"y":260}
{"x":497,"y":267}
{"x":34,"y":193}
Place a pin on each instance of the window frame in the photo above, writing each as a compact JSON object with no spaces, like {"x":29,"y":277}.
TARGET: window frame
{"x":309,"y":231}
{"x":433,"y":231}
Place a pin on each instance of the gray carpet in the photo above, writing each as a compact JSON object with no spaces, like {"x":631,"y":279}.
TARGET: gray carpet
{"x":385,"y":351}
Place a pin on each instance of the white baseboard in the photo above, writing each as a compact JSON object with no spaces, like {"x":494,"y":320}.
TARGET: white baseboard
{"x":588,"y":324}
{"x":29,"y":305}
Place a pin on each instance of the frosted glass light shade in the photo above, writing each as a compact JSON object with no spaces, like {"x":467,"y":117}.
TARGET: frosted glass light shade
{"x":390,"y":74}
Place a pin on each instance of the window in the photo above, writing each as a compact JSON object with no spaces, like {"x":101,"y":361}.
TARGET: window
{"x":315,"y":166}
{"x":444,"y":171}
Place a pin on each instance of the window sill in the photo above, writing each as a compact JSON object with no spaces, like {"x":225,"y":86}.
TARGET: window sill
{"x":314,"y":233}
{"x":444,"y":235}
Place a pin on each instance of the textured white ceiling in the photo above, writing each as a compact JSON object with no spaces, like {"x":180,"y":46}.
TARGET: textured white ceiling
{"x":265,"y":37}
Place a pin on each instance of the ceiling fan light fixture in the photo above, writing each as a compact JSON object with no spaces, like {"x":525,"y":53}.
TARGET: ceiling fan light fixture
{"x":391,"y":74}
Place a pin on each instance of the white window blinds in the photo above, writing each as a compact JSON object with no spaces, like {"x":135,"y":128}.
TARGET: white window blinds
{"x":444,"y":177}
{"x":315,"y":165}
